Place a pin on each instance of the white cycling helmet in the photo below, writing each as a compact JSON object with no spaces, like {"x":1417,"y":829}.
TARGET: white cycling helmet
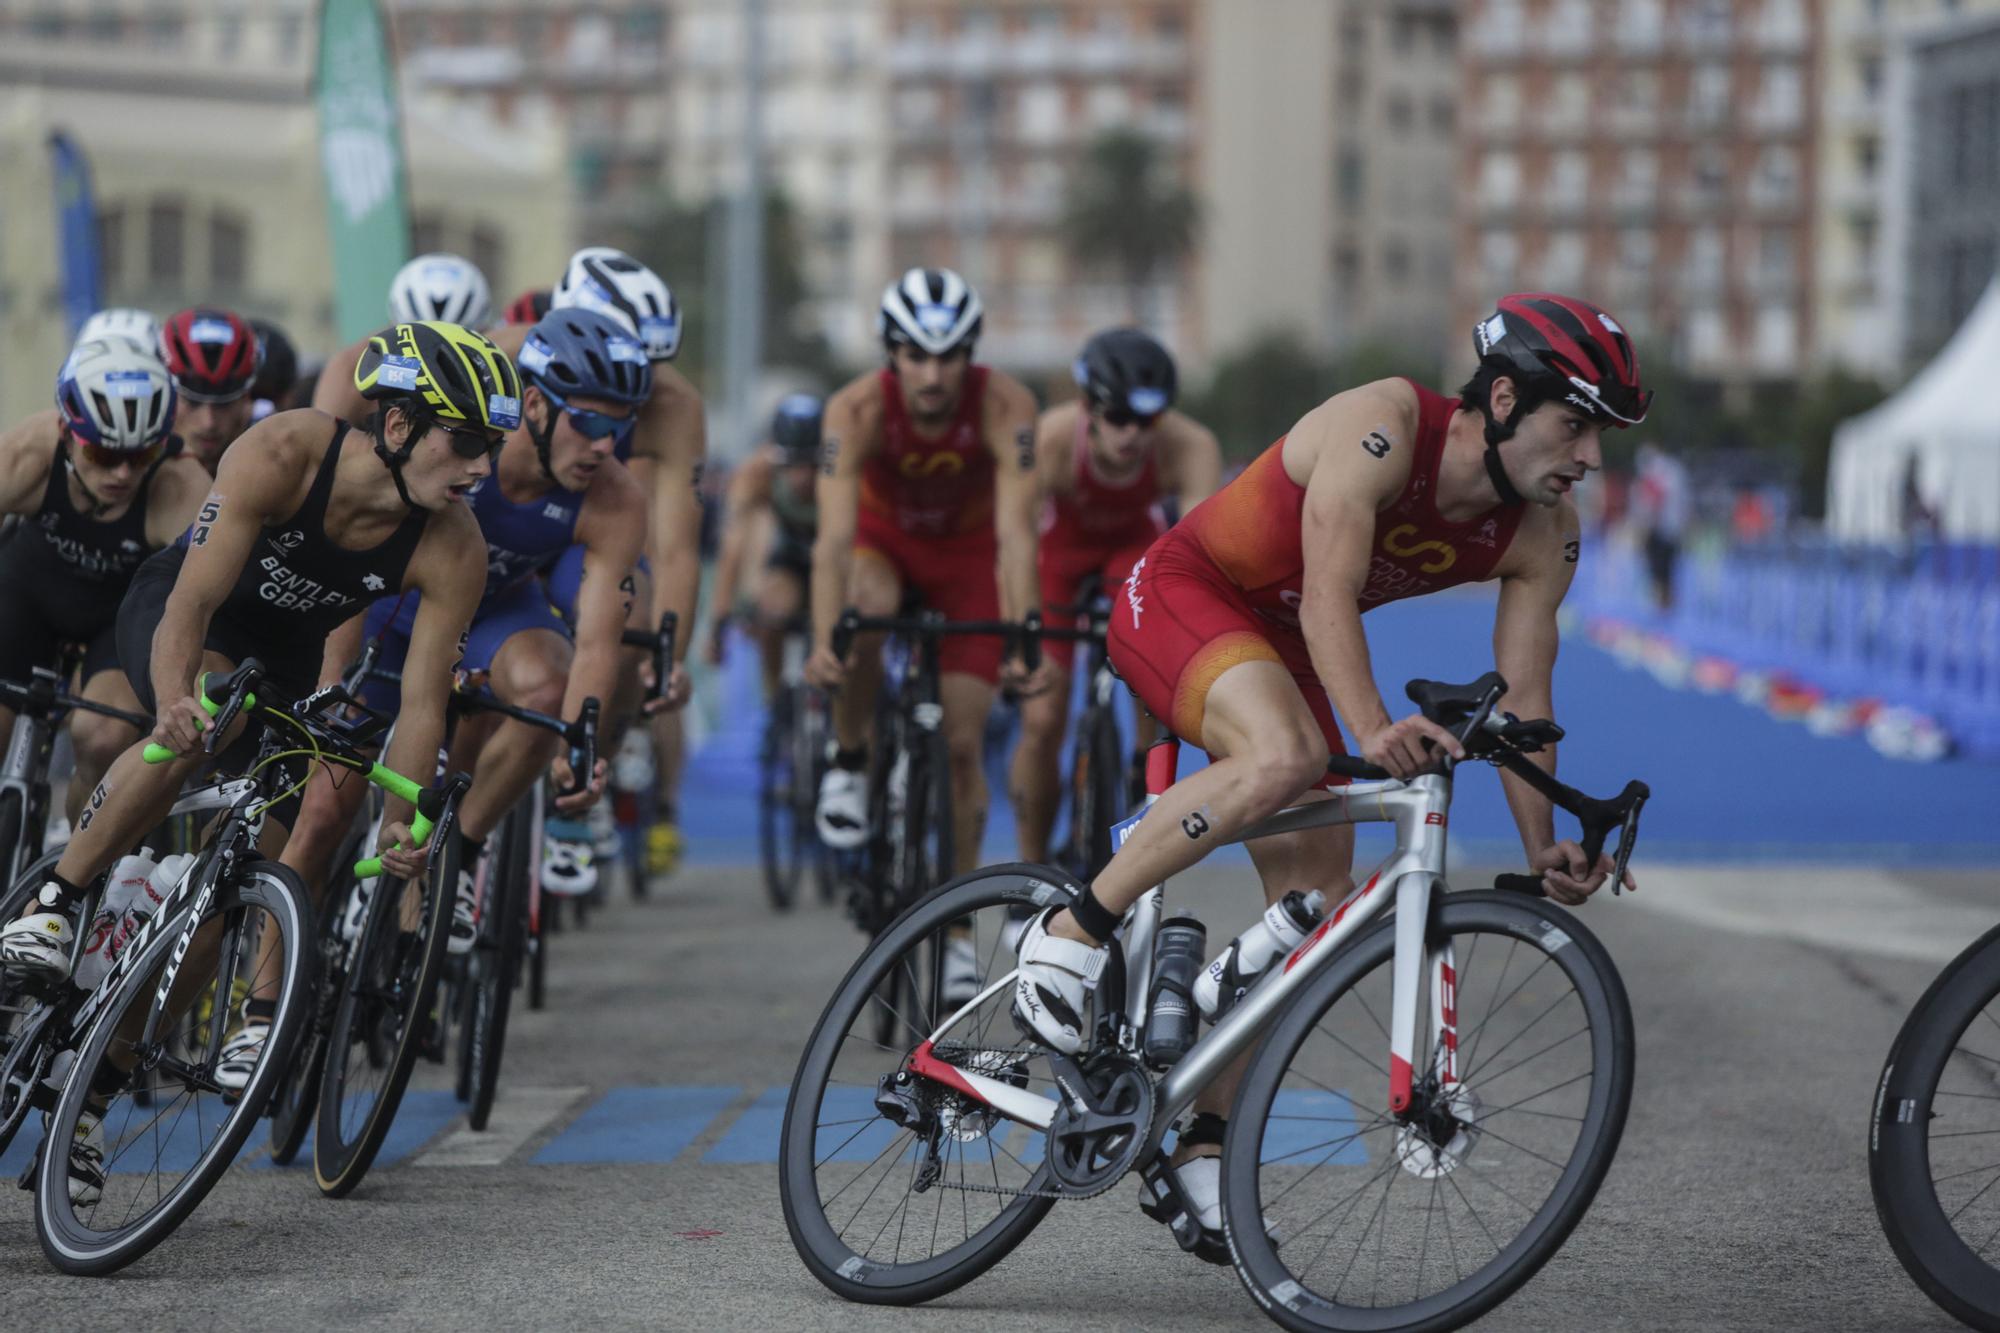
{"x":116,"y":394}
{"x":931,"y":308}
{"x":123,"y":322}
{"x":613,"y":283}
{"x":448,"y":288}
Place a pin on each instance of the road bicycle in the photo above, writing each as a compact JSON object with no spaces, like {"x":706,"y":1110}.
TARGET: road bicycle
{"x":129,"y":1066}
{"x":791,"y":760}
{"x":633,"y":805}
{"x":1432,"y":1101}
{"x":40,"y":705}
{"x":1934,"y":1138}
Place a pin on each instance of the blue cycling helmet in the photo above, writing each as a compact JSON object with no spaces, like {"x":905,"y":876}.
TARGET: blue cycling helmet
{"x":795,"y":427}
{"x":579,"y":353}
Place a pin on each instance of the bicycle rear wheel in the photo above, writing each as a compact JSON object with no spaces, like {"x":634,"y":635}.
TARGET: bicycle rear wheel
{"x":1097,"y":790}
{"x":1932,"y":1163}
{"x":297,"y":1094}
{"x":1342,"y":1216}
{"x":384,"y":1012}
{"x":780,"y":838}
{"x":871,"y":1203}
{"x":164,"y":1151}
{"x":495,"y":964}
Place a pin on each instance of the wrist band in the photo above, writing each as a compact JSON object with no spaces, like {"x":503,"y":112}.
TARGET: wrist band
{"x":1093,"y":917}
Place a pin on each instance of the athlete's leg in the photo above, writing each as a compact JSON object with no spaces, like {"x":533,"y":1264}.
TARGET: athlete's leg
{"x":1035,"y":779}
{"x":967,"y":699}
{"x":781,"y":594}
{"x":530,"y":669}
{"x":874,"y":588}
{"x":99,"y":740}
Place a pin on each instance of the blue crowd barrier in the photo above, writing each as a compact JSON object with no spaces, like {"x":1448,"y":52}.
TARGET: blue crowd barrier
{"x":1918,"y":627}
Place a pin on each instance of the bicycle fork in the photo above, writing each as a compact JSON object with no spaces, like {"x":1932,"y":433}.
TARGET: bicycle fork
{"x":1417,"y":953}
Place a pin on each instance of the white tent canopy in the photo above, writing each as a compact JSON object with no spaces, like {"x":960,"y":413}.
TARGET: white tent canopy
{"x":1942,"y":424}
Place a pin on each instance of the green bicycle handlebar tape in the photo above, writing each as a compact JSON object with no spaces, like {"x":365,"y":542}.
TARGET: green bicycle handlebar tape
{"x":155,"y":753}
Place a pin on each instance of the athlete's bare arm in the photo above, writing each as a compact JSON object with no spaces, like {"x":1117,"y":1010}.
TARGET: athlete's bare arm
{"x":449,"y":569}
{"x":850,"y":433}
{"x":264,"y":482}
{"x":611,"y":528}
{"x":1009,"y":426}
{"x":749,"y":495}
{"x":1055,"y":450}
{"x":334,"y":392}
{"x":668,"y":448}
{"x":174,"y":498}
{"x":1190,"y":460}
{"x":27,"y":452}
{"x":1337,"y":451}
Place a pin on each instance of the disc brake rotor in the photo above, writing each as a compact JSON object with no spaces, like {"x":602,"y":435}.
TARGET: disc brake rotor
{"x":1435,"y":1144}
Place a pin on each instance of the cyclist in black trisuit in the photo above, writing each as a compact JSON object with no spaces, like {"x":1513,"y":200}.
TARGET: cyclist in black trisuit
{"x":99,"y":485}
{"x":776,"y":480}
{"x":304,"y":526}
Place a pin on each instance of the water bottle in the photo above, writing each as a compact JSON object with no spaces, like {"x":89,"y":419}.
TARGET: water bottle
{"x":1170,"y":1017}
{"x":1236,"y":969}
{"x":166,"y":877}
{"x":126,"y":881}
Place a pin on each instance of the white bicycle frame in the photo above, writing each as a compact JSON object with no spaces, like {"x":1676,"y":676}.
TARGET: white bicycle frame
{"x":1409,"y":877}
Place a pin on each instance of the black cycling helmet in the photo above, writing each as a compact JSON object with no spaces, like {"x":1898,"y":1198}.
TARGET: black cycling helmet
{"x":1125,"y":372}
{"x":280,"y":369}
{"x":795,"y":427}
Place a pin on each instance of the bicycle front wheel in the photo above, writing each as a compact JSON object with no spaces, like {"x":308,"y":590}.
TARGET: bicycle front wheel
{"x":1340,"y":1215}
{"x":1932,"y":1159}
{"x":154,"y":1110}
{"x":779,"y":836}
{"x":384,"y":1013}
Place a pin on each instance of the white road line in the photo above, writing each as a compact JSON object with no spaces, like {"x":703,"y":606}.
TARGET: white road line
{"x":1865,"y":911}
{"x":518,"y":1115}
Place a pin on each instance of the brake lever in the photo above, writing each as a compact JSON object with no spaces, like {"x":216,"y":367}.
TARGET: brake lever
{"x":583,"y":747}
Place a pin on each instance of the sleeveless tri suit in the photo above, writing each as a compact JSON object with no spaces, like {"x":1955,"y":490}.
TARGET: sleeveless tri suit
{"x":1223,"y":586}
{"x":1100,"y":528}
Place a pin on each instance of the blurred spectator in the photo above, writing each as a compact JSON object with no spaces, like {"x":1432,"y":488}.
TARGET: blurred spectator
{"x":1750,"y":518}
{"x":1920,"y":520}
{"x":1660,"y":506}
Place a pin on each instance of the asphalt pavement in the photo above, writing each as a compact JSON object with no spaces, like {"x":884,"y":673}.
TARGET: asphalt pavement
{"x":629,"y":1180}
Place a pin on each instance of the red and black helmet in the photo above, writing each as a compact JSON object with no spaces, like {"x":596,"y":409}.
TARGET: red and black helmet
{"x":529,"y":306}
{"x":1568,"y":350}
{"x":212,"y":354}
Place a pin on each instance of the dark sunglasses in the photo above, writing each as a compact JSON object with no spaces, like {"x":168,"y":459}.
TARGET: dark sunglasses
{"x":1122,"y":417}
{"x":468,"y":443}
{"x":110,"y":459}
{"x":595,"y":425}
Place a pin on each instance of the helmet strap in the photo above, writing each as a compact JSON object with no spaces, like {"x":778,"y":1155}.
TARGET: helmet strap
{"x":1496,"y":472}
{"x":97,"y":506}
{"x":393,"y":459}
{"x":544,"y":438}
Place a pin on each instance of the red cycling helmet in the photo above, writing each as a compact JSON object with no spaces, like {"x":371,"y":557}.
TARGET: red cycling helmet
{"x":213,"y":355}
{"x":1568,"y":350}
{"x":529,"y":306}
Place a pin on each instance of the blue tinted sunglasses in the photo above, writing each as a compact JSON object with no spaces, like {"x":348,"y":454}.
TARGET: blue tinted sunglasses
{"x":595,"y":425}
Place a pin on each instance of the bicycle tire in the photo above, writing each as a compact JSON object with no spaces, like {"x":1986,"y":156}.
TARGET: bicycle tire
{"x":12,"y":830}
{"x":341,"y":1158}
{"x":70,"y":1244}
{"x":1563,"y":941}
{"x":13,"y":1017}
{"x":497,"y":955}
{"x":537,"y":947}
{"x":1098,"y":790}
{"x":1905,"y":1114}
{"x":779,"y":843}
{"x":296,"y":1097}
{"x":820,"y":1246}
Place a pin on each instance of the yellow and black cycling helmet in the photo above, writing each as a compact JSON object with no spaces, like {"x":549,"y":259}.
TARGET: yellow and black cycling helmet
{"x":456,"y":374}
{"x":438,"y":372}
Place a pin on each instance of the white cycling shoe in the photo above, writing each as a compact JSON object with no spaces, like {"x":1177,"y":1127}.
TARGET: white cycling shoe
{"x":239,"y":1058}
{"x":569,"y":867}
{"x":842,"y":816}
{"x":1055,"y":976}
{"x":960,"y":980}
{"x":38,"y":945}
{"x":1201,"y":1184}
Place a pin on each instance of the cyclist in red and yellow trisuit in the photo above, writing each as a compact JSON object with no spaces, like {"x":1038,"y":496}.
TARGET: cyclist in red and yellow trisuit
{"x":1106,"y":462}
{"x":1241,"y":627}
{"x":927,"y":483}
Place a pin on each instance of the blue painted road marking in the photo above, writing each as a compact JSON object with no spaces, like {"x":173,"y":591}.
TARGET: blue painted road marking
{"x":1307,"y":1128}
{"x":642,"y":1125}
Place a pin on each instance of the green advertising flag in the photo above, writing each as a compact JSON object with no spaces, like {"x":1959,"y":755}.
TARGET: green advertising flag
{"x":361,"y":155}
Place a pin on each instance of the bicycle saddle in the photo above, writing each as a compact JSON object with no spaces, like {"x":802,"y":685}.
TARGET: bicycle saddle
{"x":1451,"y":705}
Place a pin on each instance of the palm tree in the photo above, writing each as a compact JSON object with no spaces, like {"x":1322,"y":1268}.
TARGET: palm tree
{"x":1126,"y":213}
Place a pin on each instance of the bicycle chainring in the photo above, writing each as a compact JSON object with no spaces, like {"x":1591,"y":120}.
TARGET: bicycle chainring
{"x":1091,"y":1149}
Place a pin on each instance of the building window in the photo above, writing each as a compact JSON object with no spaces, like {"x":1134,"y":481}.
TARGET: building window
{"x":489,"y":254}
{"x":1638,"y":179}
{"x":1398,"y":113}
{"x":1867,"y":155}
{"x":1443,"y":115}
{"x":1710,"y":183}
{"x":1500,"y":180}
{"x":166,"y":242}
{"x":1562,"y":259}
{"x":1503,"y":101}
{"x":1776,"y":338}
{"x":1350,"y":178}
{"x":1776,"y":184}
{"x":1870,"y":70}
{"x":1040,"y":112}
{"x":1499,"y":258}
{"x":1703,"y":268}
{"x":1347,"y":271}
{"x":1569,"y":179}
{"x":228,"y":246}
{"x":1396,"y":261}
{"x":427,"y":234}
{"x":1708,"y":94}
{"x":1781,"y":98}
{"x":1636,"y":248}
